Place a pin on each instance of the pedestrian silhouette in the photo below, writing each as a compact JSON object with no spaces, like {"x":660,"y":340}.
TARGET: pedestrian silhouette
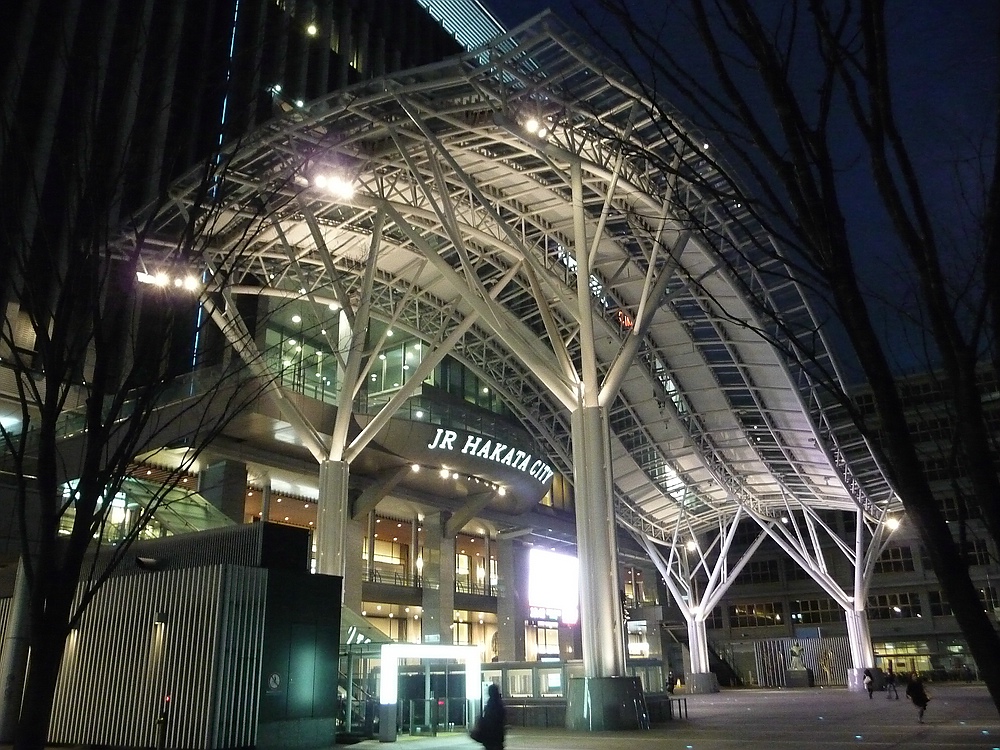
{"x":917,"y":695}
{"x":491,"y":728}
{"x":869,"y":683}
{"x":890,"y":683}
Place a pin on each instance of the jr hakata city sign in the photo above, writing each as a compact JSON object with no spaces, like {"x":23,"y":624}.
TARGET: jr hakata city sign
{"x":492,"y":450}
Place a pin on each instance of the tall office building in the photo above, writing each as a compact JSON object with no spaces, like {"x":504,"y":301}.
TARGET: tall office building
{"x":104,"y":104}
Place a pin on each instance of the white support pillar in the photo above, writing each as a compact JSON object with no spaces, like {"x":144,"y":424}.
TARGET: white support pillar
{"x":698,"y":644}
{"x":597,"y":546}
{"x":858,"y":633}
{"x":332,"y":518}
{"x":860,"y":639}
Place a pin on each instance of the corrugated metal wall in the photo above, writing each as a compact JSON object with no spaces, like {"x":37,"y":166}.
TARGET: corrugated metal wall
{"x":194,"y":634}
{"x":828,"y":658}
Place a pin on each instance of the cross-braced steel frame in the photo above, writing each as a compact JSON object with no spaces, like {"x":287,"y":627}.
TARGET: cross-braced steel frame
{"x":534,"y":216}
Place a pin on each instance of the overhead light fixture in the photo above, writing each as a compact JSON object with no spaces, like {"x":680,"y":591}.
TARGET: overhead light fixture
{"x":336,"y":185}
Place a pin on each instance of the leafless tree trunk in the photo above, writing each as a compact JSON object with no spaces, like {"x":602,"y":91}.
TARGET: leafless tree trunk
{"x":89,"y":365}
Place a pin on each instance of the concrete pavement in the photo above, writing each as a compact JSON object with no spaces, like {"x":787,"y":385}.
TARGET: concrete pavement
{"x":959,"y":717}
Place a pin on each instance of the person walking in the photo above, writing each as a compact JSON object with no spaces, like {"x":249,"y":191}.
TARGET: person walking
{"x":890,"y":683}
{"x":491,"y":729}
{"x":869,"y":683}
{"x":917,"y":695}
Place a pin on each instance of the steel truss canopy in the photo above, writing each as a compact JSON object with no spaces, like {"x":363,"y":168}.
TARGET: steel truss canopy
{"x":473,"y":181}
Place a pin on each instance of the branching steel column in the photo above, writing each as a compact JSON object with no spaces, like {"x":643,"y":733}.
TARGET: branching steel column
{"x":680,"y":577}
{"x":240,"y":339}
{"x":858,"y":632}
{"x":597,"y":546}
{"x":356,"y":348}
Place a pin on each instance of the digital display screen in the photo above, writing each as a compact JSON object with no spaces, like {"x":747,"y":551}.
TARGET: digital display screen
{"x":554,"y":583}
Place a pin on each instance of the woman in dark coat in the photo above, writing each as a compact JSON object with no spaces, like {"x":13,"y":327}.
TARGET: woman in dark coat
{"x":917,"y":695}
{"x":491,"y":728}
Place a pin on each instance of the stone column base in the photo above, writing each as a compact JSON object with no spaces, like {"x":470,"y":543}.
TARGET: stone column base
{"x":387,"y":722}
{"x":701,"y":682}
{"x":597,"y":704}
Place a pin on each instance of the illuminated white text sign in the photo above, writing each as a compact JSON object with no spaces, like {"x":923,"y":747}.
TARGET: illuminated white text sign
{"x":491,"y":450}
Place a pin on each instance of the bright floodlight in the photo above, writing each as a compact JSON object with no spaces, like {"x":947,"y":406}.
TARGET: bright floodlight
{"x":191,"y":283}
{"x":532,"y":125}
{"x":892,"y":523}
{"x":691,"y":545}
{"x":335,"y":185}
{"x":312,"y":29}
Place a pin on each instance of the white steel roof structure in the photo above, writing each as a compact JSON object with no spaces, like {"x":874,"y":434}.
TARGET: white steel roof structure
{"x":460,"y":230}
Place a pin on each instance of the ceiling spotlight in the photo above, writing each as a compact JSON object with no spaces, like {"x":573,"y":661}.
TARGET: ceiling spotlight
{"x":335,"y":185}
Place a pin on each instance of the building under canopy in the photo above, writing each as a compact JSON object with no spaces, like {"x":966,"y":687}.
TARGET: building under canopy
{"x":525,"y":209}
